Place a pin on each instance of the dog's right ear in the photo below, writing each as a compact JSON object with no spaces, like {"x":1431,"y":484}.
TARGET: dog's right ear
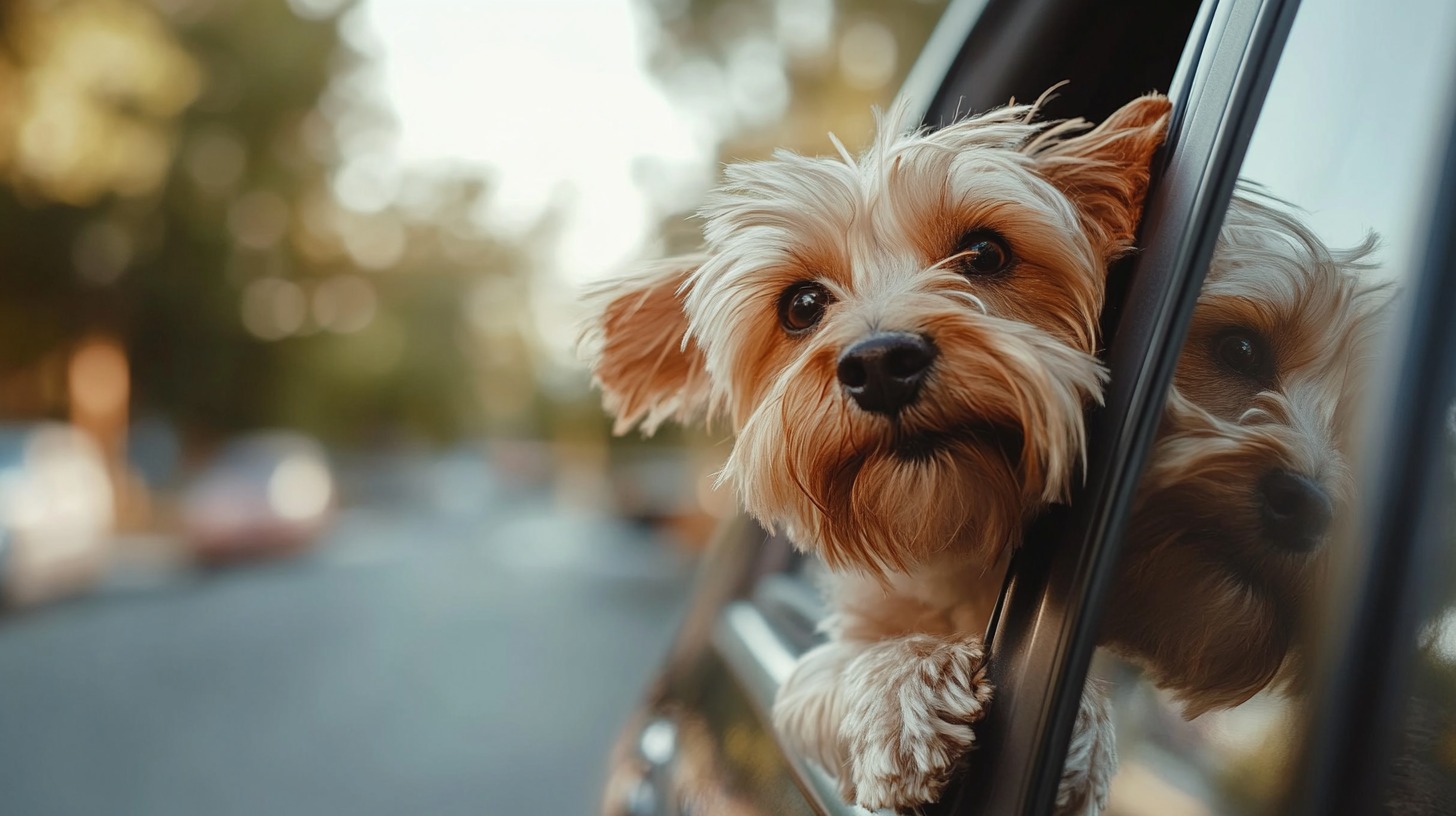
{"x":641,"y":354}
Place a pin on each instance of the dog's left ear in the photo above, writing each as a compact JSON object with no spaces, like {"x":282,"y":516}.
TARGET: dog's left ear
{"x":649,"y":367}
{"x":1104,"y":171}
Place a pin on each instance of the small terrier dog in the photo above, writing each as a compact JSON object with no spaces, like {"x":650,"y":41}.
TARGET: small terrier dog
{"x":904,"y":345}
{"x":1251,"y":464}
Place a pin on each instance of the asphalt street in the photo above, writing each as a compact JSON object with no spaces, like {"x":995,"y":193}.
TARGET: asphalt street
{"x":421,"y":662}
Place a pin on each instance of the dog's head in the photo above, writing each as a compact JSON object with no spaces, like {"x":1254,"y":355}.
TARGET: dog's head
{"x":903,"y":342}
{"x":1250,"y":467}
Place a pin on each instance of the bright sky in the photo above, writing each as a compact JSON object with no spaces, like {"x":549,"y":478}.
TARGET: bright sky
{"x":553,"y":96}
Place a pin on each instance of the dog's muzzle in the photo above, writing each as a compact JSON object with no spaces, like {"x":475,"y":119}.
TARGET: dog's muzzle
{"x":883,"y":373}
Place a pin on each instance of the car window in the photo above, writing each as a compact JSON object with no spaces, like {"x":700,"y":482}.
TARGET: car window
{"x":1422,"y":773}
{"x":1252,"y":494}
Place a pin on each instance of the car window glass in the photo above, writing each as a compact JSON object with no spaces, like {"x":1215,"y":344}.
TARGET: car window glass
{"x":1422,"y":773}
{"x":1250,"y":496}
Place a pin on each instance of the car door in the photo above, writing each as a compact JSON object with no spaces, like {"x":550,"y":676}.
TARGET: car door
{"x":1293,"y":97}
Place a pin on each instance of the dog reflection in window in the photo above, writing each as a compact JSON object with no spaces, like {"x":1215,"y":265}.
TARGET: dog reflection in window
{"x":1251,"y":466}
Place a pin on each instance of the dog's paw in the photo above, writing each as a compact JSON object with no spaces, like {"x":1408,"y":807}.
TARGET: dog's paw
{"x":908,"y":718}
{"x":1091,"y":757}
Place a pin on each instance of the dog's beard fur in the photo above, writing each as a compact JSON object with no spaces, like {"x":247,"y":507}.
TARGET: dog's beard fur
{"x":1206,"y":601}
{"x":997,"y":432}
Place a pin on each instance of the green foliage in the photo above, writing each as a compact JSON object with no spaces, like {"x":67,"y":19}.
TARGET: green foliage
{"x":242,"y":117}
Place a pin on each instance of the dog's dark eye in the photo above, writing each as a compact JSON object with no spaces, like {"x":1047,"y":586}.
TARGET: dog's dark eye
{"x":981,"y":253}
{"x":1243,"y":352}
{"x":802,"y":306}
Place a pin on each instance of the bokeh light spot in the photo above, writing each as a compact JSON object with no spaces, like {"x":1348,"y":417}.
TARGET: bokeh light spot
{"x":102,"y":252}
{"x":344,"y":304}
{"x":215,"y":159}
{"x":300,"y":488}
{"x":273,"y":308}
{"x":868,"y":55}
{"x":259,"y":219}
{"x":317,"y":9}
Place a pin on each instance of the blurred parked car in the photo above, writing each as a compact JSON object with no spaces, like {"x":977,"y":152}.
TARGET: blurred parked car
{"x":265,"y":495}
{"x":57,"y":512}
{"x":669,"y":490}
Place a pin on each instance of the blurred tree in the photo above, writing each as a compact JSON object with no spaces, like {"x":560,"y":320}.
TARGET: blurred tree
{"x":770,"y":74}
{"x":167,"y":176}
{"x":785,"y":73}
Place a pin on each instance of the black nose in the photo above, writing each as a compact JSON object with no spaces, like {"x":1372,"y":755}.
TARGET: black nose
{"x":1297,"y":511}
{"x":883,"y":373}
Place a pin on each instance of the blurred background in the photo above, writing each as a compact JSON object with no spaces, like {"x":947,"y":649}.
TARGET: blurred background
{"x":306,"y":505}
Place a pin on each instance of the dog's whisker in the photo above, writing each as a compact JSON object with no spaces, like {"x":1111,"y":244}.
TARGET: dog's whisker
{"x":974,"y":300}
{"x":843,"y":152}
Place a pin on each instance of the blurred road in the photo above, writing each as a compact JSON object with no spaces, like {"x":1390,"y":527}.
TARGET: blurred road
{"x":425,"y":661}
